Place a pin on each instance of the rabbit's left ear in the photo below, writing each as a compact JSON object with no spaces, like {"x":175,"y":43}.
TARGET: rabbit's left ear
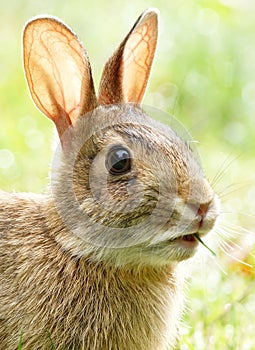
{"x":58,"y":71}
{"x":126,"y":74}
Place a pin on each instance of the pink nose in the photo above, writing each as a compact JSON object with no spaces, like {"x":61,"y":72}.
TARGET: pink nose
{"x":203,"y":209}
{"x":199,"y":209}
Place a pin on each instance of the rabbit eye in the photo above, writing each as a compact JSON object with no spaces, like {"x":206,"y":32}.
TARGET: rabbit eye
{"x":118,"y":161}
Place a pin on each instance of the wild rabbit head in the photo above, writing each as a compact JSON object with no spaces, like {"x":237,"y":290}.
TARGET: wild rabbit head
{"x":93,"y":261}
{"x":119,"y":178}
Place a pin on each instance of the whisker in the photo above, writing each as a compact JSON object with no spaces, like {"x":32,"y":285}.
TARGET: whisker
{"x":176,"y":101}
{"x":245,"y":214}
{"x":226,"y":245}
{"x":227,"y":233}
{"x":237,"y":259}
{"x":229,"y":247}
{"x":252,"y":255}
{"x":225,"y":165}
{"x":233,"y":188}
{"x":236,"y":229}
{"x":221,"y":267}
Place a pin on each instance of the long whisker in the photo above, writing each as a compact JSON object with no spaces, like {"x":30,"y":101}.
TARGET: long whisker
{"x":236,"y":259}
{"x":247,"y":215}
{"x":233,"y":188}
{"x":235,"y":229}
{"x":176,"y":101}
{"x":225,"y":165}
{"x":228,"y":245}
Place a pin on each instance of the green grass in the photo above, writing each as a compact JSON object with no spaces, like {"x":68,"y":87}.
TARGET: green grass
{"x":205,"y":245}
{"x":20,"y":342}
{"x":53,"y":347}
{"x":204,"y":74}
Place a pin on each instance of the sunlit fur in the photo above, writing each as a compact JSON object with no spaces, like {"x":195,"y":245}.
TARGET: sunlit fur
{"x":95,"y":263}
{"x":90,"y":296}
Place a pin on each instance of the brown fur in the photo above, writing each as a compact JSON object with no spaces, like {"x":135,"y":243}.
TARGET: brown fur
{"x":94,"y":264}
{"x":82,"y":304}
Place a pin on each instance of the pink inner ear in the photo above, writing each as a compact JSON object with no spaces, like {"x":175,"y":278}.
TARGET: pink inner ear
{"x":126,"y":73}
{"x":58,"y":72}
{"x":138,"y":57}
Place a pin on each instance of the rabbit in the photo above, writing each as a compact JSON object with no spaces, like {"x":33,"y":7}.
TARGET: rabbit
{"x":97,"y":261}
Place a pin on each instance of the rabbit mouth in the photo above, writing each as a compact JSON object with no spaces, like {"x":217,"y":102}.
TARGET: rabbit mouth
{"x":189,"y":238}
{"x":187,"y":241}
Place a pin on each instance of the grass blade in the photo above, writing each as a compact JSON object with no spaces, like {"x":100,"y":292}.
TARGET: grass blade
{"x":200,"y":240}
{"x":20,"y":341}
{"x":51,"y":342}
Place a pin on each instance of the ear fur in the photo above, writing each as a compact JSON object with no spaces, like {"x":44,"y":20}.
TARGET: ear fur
{"x":126,"y":73}
{"x":58,"y":71}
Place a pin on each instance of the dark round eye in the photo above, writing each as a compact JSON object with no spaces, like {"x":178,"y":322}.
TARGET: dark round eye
{"x":118,"y":161}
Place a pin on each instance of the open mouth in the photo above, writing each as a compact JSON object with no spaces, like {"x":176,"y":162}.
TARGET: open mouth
{"x":188,"y":241}
{"x":189,"y":238}
{"x":191,"y":241}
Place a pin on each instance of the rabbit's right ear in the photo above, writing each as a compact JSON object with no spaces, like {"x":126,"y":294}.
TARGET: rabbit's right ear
{"x":126,"y":73}
{"x":58,"y":71}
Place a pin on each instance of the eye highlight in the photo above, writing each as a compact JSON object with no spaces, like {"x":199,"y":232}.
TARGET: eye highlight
{"x":118,"y":160}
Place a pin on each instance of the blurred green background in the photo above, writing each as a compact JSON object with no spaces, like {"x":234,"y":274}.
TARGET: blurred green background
{"x":204,"y":74}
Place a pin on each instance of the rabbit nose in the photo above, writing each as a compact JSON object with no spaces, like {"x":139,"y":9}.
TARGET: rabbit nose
{"x":203,"y":209}
{"x":199,"y":210}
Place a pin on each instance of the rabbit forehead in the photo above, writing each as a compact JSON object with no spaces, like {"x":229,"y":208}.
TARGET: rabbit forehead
{"x":131,"y":122}
{"x":152,"y":142}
